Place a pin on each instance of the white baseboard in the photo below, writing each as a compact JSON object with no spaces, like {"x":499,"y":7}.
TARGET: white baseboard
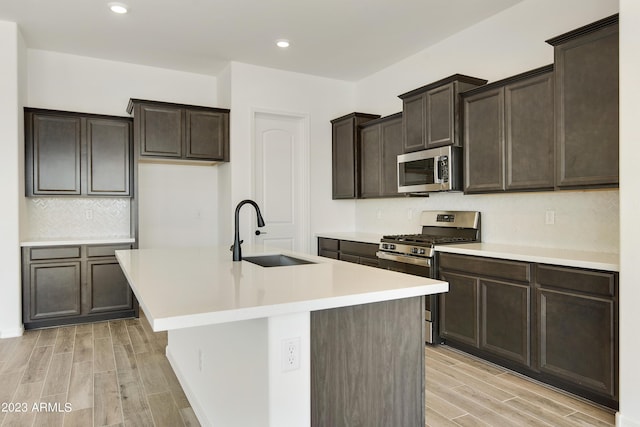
{"x":622,"y":421}
{"x":193,"y":400}
{"x":11,"y":333}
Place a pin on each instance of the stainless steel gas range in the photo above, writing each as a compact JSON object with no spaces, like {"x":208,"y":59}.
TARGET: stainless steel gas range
{"x":414,"y":253}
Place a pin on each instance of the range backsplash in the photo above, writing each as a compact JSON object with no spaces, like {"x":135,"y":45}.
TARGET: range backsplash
{"x":584,"y":220}
{"x":61,"y":217}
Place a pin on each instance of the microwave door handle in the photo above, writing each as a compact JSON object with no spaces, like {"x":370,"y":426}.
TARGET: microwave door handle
{"x":438,"y":170}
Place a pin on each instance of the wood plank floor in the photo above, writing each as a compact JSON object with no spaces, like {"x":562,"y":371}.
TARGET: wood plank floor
{"x":108,"y":374}
{"x":115,"y":374}
{"x":464,"y":391}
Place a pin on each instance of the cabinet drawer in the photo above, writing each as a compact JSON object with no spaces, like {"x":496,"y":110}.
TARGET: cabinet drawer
{"x":106,"y":250}
{"x":358,"y":248}
{"x":54,"y":252}
{"x":592,"y":282}
{"x":328,"y":244}
{"x":510,"y":270}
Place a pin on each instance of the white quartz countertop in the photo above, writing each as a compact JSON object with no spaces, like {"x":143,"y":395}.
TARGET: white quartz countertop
{"x":354,"y":236}
{"x":566,"y":257}
{"x":189,"y":287}
{"x":66,"y":241}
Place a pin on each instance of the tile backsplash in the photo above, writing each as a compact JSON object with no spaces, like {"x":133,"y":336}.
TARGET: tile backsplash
{"x":582,"y":220}
{"x":61,"y":217}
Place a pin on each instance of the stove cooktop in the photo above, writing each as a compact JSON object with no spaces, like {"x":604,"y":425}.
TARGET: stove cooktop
{"x":424,"y":239}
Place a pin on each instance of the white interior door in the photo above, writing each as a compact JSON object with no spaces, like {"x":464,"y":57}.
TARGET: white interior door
{"x":280,"y":186}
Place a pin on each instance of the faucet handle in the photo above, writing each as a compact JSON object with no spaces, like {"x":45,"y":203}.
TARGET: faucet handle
{"x":231,"y":247}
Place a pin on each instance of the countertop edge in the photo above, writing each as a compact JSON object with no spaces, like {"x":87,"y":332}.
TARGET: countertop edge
{"x":202,"y":319}
{"x":354,"y":236}
{"x":562,"y":257}
{"x":77,"y":241}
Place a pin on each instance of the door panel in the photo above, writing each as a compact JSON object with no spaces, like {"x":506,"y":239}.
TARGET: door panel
{"x":278,"y":179}
{"x":108,"y":153}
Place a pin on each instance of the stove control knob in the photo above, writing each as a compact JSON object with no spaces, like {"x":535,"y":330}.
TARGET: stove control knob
{"x":385,"y":246}
{"x":392,"y":246}
{"x":422,"y":252}
{"x":414,"y":250}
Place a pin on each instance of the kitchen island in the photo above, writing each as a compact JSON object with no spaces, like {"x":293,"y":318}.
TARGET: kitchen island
{"x":254,"y":346}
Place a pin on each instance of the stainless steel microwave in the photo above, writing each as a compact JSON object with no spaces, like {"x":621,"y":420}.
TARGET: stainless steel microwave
{"x":437,"y":169}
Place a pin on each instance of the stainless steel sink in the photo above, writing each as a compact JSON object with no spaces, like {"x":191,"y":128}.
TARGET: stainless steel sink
{"x":278,"y":260}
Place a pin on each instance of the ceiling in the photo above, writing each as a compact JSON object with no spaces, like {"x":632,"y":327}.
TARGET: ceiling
{"x":342,"y":39}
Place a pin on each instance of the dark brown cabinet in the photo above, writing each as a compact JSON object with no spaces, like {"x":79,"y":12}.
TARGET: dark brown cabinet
{"x":488,"y":306}
{"x":431,"y":114}
{"x":508,"y":134}
{"x":346,"y":154}
{"x":577,"y":328}
{"x":556,"y":324}
{"x":77,"y":154}
{"x":586,"y":96}
{"x":74,"y":284}
{"x":180,"y":132}
{"x":381,"y":142}
{"x":349,"y":251}
{"x":367,"y":365}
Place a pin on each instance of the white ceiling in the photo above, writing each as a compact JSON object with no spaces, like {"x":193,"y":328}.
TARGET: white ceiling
{"x":342,"y":39}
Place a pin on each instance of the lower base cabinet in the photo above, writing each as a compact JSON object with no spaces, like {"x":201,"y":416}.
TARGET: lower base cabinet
{"x":349,"y":251}
{"x":556,"y":324}
{"x":74,"y":284}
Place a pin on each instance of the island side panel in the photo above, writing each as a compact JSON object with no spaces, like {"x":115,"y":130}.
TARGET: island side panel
{"x":367,"y":364}
{"x":224,"y":371}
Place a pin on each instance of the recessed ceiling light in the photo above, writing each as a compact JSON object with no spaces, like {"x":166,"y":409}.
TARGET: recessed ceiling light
{"x":282,"y":43}
{"x":120,"y":8}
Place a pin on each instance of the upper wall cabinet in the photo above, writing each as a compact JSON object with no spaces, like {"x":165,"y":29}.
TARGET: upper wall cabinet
{"x":431,"y":114}
{"x":586,"y":91}
{"x":76,"y":154}
{"x":346,"y":154}
{"x":508,"y":134}
{"x":381,"y":142}
{"x":180,"y":132}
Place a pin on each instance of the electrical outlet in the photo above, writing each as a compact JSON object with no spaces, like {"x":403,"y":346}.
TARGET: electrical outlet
{"x":88,"y":214}
{"x":200,"y":359}
{"x":379,"y":214}
{"x":410,"y":214}
{"x":290,"y":354}
{"x":550,"y":217}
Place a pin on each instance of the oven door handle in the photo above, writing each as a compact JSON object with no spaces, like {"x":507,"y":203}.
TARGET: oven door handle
{"x":424,"y":262}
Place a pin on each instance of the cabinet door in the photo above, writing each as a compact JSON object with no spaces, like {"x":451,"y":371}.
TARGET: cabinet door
{"x":53,"y":153}
{"x":587,"y":109}
{"x":206,"y":135}
{"x":108,"y":157}
{"x":506,"y":320}
{"x":107,"y":286}
{"x":344,"y":166}
{"x":370,"y":167}
{"x":440,"y":129}
{"x":54,"y":290}
{"x":413,"y":122}
{"x":391,"y":133}
{"x":161,"y":131}
{"x":484,"y":142}
{"x":459,"y":311}
{"x":577,"y":337}
{"x":529,"y":133}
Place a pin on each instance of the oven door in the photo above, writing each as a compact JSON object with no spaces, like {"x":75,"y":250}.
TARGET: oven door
{"x":391,"y":262}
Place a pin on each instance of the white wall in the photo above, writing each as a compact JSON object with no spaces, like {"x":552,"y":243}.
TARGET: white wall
{"x":178,"y":204}
{"x":11,"y":136}
{"x":321,"y":99}
{"x":506,"y":44}
{"x":629,"y":415}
